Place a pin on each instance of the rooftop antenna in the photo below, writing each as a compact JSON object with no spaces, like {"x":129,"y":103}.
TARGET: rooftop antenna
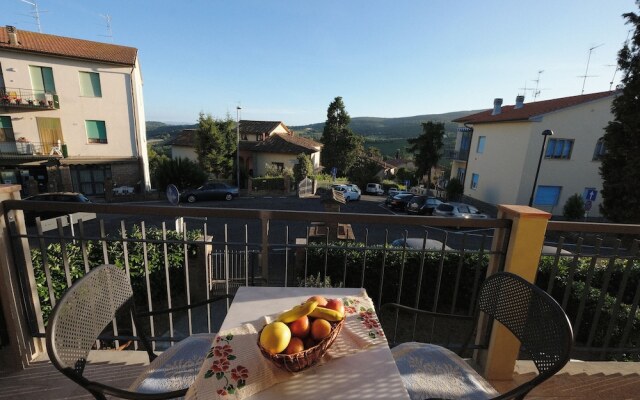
{"x":109,"y":34}
{"x":586,"y":72}
{"x":35,"y":13}
{"x":537,"y":91}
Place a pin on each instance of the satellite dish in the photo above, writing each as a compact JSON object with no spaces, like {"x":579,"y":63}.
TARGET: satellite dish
{"x":173,"y":194}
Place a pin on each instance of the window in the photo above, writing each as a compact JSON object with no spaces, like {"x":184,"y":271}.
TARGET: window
{"x":90,"y":84}
{"x":89,"y":179}
{"x":547,"y":195}
{"x":6,"y":130}
{"x":42,"y":81}
{"x":481,"y":142}
{"x":96,"y":131}
{"x":474,"y":180}
{"x":559,"y":148}
{"x":600,"y":150}
{"x":460,"y":174}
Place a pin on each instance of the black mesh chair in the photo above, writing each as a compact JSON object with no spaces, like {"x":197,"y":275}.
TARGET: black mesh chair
{"x":88,"y":307}
{"x":534,"y":317}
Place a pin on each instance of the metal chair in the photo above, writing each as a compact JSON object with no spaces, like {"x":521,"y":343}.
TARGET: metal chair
{"x":534,"y":317}
{"x":88,"y":307}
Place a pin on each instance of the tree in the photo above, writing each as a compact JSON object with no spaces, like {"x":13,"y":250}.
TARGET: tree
{"x":155,"y":159}
{"x":216,"y":145}
{"x":341,"y":145}
{"x":426,"y":148}
{"x":620,"y":168}
{"x":181,"y":172}
{"x":454,"y":189}
{"x":574,"y":208}
{"x":303,"y":168}
{"x":364,"y":171}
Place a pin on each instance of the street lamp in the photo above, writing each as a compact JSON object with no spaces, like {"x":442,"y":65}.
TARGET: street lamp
{"x":545,"y":133}
{"x":238,"y":108}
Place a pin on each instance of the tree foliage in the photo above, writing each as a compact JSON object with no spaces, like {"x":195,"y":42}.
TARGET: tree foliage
{"x":454,"y":189}
{"x":364,"y":171}
{"x":574,"y":208}
{"x":620,"y":169}
{"x":181,"y":172}
{"x":216,"y":145}
{"x":341,"y":145}
{"x":156,"y":158}
{"x":303,"y":168}
{"x":426,"y":148}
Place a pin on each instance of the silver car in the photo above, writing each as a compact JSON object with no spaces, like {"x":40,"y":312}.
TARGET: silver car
{"x":457,"y":210}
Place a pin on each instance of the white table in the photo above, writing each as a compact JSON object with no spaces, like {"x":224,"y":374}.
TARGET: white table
{"x":370,"y":374}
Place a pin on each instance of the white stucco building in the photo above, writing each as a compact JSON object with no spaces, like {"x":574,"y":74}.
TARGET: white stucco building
{"x":499,"y":150}
{"x":71,"y":113}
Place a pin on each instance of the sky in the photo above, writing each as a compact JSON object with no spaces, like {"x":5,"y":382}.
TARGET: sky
{"x":286,"y":60}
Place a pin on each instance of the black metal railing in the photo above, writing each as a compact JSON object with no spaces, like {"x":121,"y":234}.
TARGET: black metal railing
{"x":23,"y":148}
{"x":28,"y":99}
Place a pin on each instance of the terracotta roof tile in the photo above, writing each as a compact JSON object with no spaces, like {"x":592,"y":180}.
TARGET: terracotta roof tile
{"x":530,"y":110}
{"x":282,"y":143}
{"x":257,"y":127}
{"x":185,"y":138}
{"x":33,"y":42}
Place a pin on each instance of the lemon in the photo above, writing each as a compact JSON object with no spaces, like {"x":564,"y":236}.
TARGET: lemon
{"x":275,"y":337}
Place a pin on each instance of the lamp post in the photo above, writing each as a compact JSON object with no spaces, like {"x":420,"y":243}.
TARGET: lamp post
{"x":238,"y":108}
{"x":545,"y":133}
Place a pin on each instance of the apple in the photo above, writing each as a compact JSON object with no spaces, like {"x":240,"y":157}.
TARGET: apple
{"x":300,"y":327}
{"x":320,"y":299}
{"x":320,"y":329}
{"x":335,"y":304}
{"x":295,"y":346}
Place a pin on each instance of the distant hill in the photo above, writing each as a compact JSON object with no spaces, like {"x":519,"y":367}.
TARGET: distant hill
{"x":387,"y":134}
{"x":157,"y":130}
{"x":390,"y":134}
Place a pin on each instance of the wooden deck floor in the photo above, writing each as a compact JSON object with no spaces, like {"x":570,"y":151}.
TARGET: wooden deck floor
{"x":578,"y":380}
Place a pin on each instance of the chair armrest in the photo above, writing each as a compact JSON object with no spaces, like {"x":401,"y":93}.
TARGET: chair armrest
{"x":126,"y":394}
{"x":187,"y":307}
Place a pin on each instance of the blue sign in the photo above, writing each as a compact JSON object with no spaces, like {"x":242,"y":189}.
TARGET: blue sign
{"x":587,"y":205}
{"x":590,"y":194}
{"x":407,"y":183}
{"x":334,"y":171}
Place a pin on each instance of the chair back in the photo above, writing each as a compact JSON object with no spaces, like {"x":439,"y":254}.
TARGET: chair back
{"x":82,"y":314}
{"x":533,"y":316}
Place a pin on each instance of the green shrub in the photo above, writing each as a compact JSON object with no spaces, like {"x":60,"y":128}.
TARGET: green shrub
{"x":115,"y":253}
{"x":454,"y":190}
{"x":268,"y":183}
{"x":181,"y":172}
{"x":574,"y":208}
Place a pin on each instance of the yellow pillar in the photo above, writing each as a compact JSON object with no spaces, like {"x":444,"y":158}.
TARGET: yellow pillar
{"x":523,"y":255}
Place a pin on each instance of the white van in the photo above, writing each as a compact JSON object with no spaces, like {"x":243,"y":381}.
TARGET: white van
{"x":375,"y":189}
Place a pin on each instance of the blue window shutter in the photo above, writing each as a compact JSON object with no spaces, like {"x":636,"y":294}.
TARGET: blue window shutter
{"x":547,"y":195}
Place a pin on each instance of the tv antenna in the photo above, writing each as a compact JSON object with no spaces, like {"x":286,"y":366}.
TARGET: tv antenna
{"x":586,"y":72}
{"x":35,"y":14}
{"x":537,"y":90}
{"x":109,"y":34}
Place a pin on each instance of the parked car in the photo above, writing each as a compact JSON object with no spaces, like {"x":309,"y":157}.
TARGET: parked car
{"x":354,"y":187}
{"x":374,"y":189}
{"x":349,"y":193}
{"x":399,"y":202}
{"x":210,"y":191}
{"x":64,"y":197}
{"x":390,"y":197}
{"x":422,"y":205}
{"x":417,"y":243}
{"x":393,"y":190}
{"x":457,"y":210}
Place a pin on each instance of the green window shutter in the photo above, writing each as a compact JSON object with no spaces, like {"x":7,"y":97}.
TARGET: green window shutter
{"x":5,"y":123}
{"x":47,"y":77}
{"x":96,"y":131}
{"x":90,"y":84}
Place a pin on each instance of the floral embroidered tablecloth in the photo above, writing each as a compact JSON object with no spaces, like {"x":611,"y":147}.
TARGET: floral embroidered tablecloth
{"x":234,"y":368}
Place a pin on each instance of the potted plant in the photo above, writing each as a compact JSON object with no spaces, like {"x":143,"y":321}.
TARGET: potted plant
{"x":42,"y":103}
{"x":30,"y":101}
{"x":23,"y":145}
{"x":5,"y":99}
{"x":18,"y":100}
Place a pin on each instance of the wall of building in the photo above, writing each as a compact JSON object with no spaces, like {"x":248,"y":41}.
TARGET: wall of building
{"x":512,"y":149}
{"x":114,"y":107}
{"x":184,"y":152}
{"x":263,"y":159}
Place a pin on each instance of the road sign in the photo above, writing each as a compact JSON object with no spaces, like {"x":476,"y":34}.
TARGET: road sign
{"x":587,"y":205}
{"x":173,"y":195}
{"x":591,"y":195}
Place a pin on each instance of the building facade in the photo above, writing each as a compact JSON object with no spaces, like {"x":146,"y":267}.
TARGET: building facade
{"x":503,"y":147}
{"x":71,"y":114}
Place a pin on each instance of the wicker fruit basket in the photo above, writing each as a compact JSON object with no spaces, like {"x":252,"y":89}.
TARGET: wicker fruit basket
{"x":304,"y":359}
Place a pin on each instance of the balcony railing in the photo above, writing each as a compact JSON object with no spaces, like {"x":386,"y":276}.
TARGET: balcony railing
{"x":592,"y":270}
{"x":460,"y":155}
{"x":32,"y":149}
{"x":28,"y":99}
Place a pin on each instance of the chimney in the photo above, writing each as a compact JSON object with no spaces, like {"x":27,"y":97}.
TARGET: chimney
{"x":497,"y":106}
{"x":519,"y":102}
{"x":13,"y":35}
